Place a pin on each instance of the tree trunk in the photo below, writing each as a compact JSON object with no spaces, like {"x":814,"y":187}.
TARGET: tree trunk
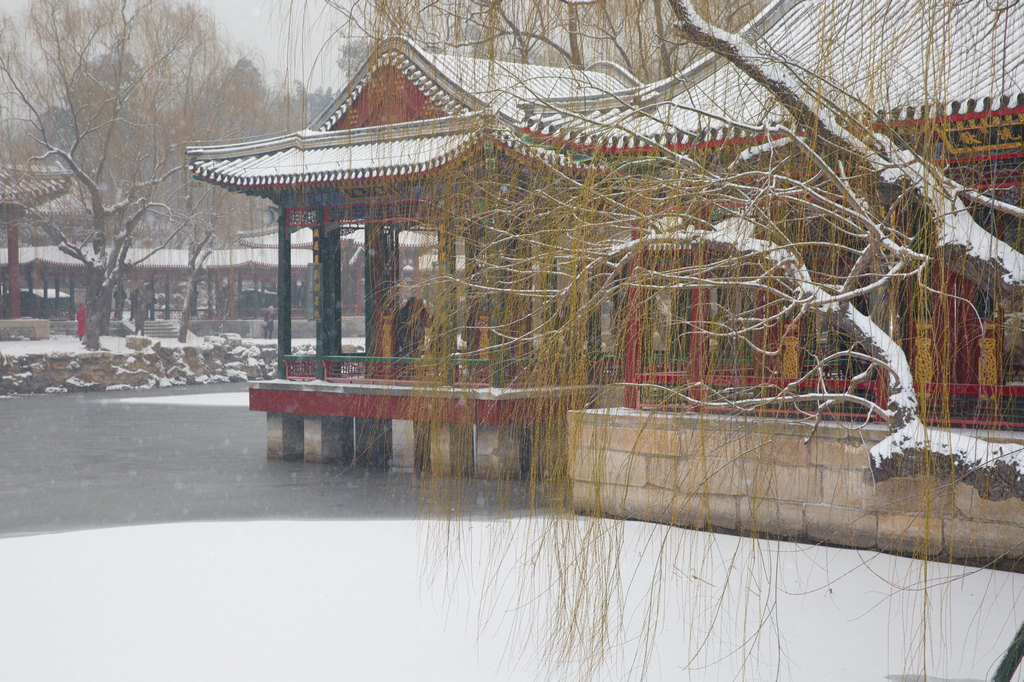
{"x":98,"y":290}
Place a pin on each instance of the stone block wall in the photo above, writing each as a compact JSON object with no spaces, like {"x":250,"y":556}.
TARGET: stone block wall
{"x":766,"y":477}
{"x":24,"y":328}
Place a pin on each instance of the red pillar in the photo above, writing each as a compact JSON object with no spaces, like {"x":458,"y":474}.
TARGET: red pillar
{"x":699,"y":303}
{"x":631,"y":361}
{"x":13,"y":272}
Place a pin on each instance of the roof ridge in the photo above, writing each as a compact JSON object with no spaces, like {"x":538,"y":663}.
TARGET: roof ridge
{"x":315,"y":139}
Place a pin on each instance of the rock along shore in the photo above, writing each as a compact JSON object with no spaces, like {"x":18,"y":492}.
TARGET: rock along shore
{"x":145,"y":363}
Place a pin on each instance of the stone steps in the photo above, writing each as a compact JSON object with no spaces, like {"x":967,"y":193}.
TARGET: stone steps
{"x":165,"y":329}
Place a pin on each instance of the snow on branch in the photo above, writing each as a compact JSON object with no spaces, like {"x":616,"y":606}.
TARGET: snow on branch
{"x":995,"y":469}
{"x":989,"y":261}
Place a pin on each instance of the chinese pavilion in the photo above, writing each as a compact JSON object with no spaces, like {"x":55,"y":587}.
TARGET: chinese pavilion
{"x":422,"y":142}
{"x":402,"y":148}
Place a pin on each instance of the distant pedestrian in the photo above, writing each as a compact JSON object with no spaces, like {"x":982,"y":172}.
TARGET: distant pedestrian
{"x":80,"y":316}
{"x":268,"y":323}
{"x":137,"y":311}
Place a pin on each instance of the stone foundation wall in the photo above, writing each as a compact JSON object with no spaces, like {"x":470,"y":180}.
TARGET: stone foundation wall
{"x":776,"y":478}
{"x":145,"y":364}
{"x":24,"y":328}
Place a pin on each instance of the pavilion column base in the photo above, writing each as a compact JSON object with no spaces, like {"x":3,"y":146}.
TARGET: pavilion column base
{"x":373,"y":443}
{"x":545,"y":443}
{"x":328,"y":439}
{"x":501,"y":452}
{"x":451,"y":448}
{"x":284,"y":436}
{"x":409,"y":445}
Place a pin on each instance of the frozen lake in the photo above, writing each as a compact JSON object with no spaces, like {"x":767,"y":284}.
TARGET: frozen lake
{"x":89,"y":460}
{"x":325,"y":572}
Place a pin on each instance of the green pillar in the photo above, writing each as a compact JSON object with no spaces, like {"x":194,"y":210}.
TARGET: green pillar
{"x":379,"y":268}
{"x":369,"y":288}
{"x":497,"y":305}
{"x":307,"y":293}
{"x":331,"y":285}
{"x":318,"y":294}
{"x":284,"y":292}
{"x":448,"y":298}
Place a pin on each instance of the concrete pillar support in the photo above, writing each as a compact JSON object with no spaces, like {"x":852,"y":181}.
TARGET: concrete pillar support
{"x":499,"y":452}
{"x":451,"y":448}
{"x":373,"y":442}
{"x":284,"y":436}
{"x":403,"y":445}
{"x":327,"y":439}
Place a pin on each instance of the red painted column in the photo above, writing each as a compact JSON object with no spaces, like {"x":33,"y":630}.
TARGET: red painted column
{"x":882,"y":388}
{"x":13,"y":272}
{"x":631,"y":361}
{"x":699,"y":304}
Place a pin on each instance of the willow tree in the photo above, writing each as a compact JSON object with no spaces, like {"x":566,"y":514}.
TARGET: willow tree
{"x":737,"y":194}
{"x":615,"y":215}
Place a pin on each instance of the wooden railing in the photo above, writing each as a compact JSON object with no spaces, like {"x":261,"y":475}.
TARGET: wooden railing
{"x":953,"y":405}
{"x":362,"y":368}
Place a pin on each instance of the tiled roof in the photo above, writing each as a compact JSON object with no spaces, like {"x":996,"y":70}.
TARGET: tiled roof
{"x":391,"y":151}
{"x":30,"y":188}
{"x":459,"y":84}
{"x":897,"y":59}
{"x":326,"y":157}
{"x":480,"y":97}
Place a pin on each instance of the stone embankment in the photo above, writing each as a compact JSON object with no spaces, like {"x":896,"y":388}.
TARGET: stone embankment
{"x":144,"y":363}
{"x":766,"y":477}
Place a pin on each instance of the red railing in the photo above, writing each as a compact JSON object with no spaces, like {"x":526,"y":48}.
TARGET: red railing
{"x":299,"y":368}
{"x":954,"y":405}
{"x":458,"y":371}
{"x":463,"y":372}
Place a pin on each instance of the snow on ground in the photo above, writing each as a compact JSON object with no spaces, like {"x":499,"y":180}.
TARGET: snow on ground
{"x":70,"y":345}
{"x":53,"y":345}
{"x":354,"y":600}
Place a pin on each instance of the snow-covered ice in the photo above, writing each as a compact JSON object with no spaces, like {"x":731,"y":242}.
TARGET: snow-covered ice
{"x":368,"y":600}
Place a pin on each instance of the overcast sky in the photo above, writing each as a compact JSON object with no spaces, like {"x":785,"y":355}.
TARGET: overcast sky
{"x":293,"y":37}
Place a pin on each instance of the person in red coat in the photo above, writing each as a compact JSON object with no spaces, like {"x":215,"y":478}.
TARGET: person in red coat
{"x":80,"y":316}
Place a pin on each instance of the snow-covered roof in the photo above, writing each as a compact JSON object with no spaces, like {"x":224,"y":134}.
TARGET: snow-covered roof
{"x":166,"y":259}
{"x":336,"y":156}
{"x":30,"y":188}
{"x":897,"y":59}
{"x":303,"y":239}
{"x":478,"y":96}
{"x":460,"y":83}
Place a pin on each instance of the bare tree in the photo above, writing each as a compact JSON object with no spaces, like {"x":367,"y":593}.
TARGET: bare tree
{"x":553,"y":32}
{"x":97,"y":84}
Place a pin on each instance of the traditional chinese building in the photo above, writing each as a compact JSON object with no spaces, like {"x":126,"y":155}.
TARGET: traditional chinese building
{"x":434,"y":143}
{"x":407,"y":146}
{"x":21,"y":191}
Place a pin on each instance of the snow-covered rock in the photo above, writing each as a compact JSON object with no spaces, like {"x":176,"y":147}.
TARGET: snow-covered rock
{"x":138,"y":363}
